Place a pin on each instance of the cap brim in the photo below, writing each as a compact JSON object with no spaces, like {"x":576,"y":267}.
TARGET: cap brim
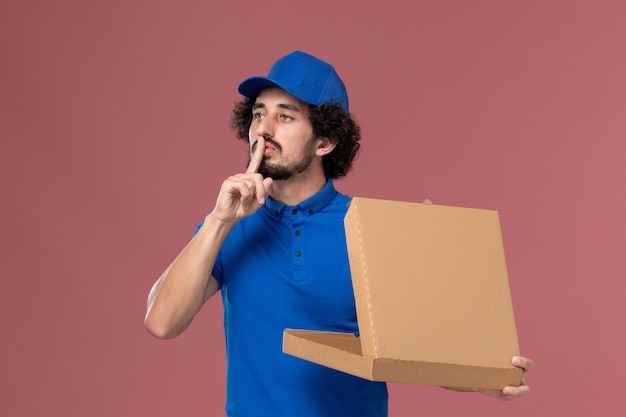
{"x":251,"y":87}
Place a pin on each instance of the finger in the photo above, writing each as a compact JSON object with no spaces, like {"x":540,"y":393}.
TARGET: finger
{"x":267,"y":184}
{"x":525,"y":363}
{"x":257,"y":156}
{"x":252,"y":187}
{"x":498,"y":395}
{"x":262,"y":188}
{"x":521,"y":391}
{"x":247,"y":199}
{"x":243,"y":189}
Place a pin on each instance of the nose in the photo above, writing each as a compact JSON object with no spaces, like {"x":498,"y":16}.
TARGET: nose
{"x":264,"y":127}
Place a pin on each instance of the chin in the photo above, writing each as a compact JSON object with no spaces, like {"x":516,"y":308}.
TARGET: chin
{"x":276,"y":172}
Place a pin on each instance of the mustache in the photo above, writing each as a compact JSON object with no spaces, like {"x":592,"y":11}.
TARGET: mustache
{"x":270,"y":141}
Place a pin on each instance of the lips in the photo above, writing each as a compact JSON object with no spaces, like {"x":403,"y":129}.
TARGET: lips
{"x":269,"y":148}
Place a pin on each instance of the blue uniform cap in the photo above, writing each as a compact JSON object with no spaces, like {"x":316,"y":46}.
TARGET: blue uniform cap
{"x":307,"y":78}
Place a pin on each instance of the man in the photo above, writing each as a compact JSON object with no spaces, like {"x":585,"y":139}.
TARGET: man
{"x":274,"y":246}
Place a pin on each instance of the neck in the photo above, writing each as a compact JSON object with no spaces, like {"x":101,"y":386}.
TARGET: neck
{"x":294,"y":191}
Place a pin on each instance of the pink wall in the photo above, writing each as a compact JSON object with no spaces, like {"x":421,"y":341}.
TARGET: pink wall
{"x":114,"y":140}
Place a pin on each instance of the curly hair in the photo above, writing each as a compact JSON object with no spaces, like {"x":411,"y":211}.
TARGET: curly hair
{"x":328,"y":120}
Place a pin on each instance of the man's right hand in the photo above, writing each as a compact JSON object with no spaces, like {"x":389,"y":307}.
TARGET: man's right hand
{"x":187,"y":283}
{"x":243,"y":194}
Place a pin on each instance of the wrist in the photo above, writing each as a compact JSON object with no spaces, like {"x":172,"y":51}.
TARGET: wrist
{"x":217,"y":223}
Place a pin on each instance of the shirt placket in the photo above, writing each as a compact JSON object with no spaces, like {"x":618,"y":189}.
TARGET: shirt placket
{"x":298,"y":249}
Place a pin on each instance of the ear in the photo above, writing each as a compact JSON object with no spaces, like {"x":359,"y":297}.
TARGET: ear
{"x":325,"y":146}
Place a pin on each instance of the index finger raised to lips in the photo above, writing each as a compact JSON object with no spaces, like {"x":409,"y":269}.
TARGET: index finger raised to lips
{"x":257,"y":156}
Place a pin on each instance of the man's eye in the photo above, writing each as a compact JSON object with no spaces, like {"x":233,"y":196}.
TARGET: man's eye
{"x":286,"y":118}
{"x":258,"y":116}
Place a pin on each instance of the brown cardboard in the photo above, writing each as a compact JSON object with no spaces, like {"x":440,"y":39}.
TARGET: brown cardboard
{"x":432,"y":299}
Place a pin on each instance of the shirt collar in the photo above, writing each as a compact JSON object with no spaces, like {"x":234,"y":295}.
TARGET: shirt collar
{"x":310,"y":206}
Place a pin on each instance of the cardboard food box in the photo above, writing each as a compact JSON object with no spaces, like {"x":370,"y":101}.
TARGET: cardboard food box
{"x":432,"y":299}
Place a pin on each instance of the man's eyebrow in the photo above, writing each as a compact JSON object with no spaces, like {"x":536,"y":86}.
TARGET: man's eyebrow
{"x":291,"y":107}
{"x":286,"y":106}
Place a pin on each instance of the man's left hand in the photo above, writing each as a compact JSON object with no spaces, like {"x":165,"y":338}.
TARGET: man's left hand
{"x":508,"y":393}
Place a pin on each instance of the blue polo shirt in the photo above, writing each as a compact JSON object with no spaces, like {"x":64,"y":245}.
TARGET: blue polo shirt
{"x":287,"y":267}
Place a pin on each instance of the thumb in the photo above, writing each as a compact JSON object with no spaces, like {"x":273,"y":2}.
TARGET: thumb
{"x":268,"y":184}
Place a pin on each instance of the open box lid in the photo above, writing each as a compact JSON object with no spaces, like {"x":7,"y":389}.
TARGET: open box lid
{"x":432,"y":298}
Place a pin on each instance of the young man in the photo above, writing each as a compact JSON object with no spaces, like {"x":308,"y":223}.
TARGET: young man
{"x":274,"y":246}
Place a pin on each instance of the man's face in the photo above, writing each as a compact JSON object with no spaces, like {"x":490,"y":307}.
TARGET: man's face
{"x":284,"y":122}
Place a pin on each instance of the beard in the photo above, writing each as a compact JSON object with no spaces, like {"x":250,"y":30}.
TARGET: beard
{"x":279,"y":172}
{"x":284,"y":172}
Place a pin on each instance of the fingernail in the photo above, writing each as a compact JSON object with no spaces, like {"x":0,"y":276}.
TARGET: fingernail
{"x":517,"y":361}
{"x":508,"y":391}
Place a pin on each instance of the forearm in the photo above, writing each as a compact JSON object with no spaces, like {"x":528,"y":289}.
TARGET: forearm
{"x":180,"y":292}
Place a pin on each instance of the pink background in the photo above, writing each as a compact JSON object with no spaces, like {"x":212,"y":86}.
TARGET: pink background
{"x":114,"y":141}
